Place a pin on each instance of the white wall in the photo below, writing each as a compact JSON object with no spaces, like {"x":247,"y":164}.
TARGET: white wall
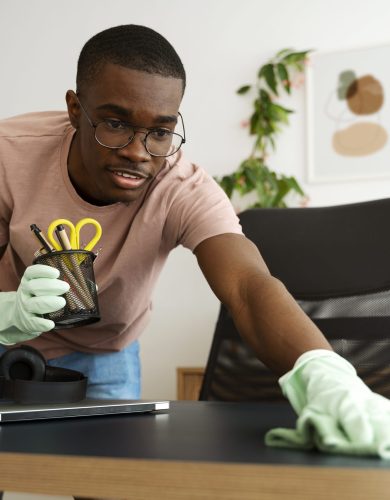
{"x":222,"y":44}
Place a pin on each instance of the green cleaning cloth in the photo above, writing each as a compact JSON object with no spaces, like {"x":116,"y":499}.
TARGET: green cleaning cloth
{"x":337,"y":412}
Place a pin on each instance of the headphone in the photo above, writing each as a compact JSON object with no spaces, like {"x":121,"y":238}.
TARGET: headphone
{"x":25,"y":378}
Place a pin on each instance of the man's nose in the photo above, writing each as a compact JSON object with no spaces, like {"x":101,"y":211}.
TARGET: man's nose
{"x":135,"y":150}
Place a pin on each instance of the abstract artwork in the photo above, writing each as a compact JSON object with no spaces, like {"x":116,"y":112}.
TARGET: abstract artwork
{"x":348,"y":114}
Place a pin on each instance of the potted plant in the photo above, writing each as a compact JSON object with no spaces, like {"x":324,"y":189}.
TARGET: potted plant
{"x":266,"y":121}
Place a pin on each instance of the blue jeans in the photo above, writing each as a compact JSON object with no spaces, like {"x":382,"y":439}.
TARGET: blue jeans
{"x":114,"y":375}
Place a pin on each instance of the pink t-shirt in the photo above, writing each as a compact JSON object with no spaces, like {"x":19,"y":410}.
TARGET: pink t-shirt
{"x":183,"y":207}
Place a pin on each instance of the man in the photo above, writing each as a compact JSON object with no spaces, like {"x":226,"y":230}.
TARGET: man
{"x":116,"y":157}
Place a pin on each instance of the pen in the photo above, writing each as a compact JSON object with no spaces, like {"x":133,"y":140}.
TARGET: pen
{"x":63,"y":237}
{"x":39,"y":235}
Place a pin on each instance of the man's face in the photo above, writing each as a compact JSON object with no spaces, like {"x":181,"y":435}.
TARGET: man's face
{"x":144,"y":100}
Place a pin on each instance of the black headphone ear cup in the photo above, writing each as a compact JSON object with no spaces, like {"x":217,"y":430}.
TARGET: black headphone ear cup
{"x":23,"y":363}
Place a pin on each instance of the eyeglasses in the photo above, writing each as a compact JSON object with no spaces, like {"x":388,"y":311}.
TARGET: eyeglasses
{"x":116,"y":134}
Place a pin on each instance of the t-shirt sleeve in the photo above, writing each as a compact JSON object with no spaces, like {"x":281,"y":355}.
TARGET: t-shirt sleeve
{"x":200,"y":210}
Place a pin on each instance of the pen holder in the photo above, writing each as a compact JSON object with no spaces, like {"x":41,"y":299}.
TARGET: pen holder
{"x":76,"y":268}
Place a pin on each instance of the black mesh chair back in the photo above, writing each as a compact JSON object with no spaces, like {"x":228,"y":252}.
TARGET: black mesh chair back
{"x":335,"y":261}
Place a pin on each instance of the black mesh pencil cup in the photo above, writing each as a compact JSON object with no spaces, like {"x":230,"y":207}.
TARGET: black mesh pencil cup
{"x":76,"y":268}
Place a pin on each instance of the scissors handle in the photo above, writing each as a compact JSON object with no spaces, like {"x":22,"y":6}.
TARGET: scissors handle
{"x":51,"y":230}
{"x":83,"y":222}
{"x":74,"y":234}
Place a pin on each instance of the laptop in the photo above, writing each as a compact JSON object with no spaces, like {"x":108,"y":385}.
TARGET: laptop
{"x":13,"y":412}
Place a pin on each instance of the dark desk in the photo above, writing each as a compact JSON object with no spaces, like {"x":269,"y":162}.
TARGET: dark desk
{"x":194,"y":450}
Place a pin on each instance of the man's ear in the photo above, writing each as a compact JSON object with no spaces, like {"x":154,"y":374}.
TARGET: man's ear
{"x":73,"y":108}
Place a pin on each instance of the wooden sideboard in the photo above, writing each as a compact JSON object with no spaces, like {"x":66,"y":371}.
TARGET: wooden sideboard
{"x":189,"y":382}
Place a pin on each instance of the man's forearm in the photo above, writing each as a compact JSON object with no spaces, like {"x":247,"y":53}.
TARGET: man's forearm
{"x":273,"y":324}
{"x":265,"y":313}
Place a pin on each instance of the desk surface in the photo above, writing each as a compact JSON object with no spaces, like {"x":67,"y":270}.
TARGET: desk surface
{"x":191,"y":450}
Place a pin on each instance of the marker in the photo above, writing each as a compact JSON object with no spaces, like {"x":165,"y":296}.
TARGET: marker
{"x":42,"y":240}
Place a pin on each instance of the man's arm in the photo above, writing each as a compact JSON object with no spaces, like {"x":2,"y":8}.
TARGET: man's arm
{"x":2,"y":251}
{"x":264,"y":312}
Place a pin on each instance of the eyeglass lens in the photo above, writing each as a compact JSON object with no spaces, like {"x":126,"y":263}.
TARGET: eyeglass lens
{"x":159,"y":142}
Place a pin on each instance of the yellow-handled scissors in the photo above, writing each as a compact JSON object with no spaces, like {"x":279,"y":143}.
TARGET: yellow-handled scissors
{"x":74,"y":233}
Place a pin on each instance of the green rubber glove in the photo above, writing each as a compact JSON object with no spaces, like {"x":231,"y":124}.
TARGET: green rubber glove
{"x":337,"y":412}
{"x":38,"y":293}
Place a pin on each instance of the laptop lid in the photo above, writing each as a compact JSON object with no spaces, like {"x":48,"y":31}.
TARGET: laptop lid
{"x":13,"y":412}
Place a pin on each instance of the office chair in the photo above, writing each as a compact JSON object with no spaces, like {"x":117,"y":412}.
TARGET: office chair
{"x":335,"y":261}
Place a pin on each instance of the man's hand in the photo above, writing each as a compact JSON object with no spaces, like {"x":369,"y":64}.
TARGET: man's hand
{"x":337,"y":412}
{"x":38,"y":293}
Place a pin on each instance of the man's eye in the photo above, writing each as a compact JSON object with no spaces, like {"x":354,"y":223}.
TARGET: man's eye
{"x":114,"y":124}
{"x":161,"y":133}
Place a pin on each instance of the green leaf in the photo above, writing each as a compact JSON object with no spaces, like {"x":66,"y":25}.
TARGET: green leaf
{"x":252,"y":178}
{"x":284,"y":77}
{"x":283,"y":52}
{"x":282,"y":108}
{"x":300,"y":67}
{"x":227,"y":184}
{"x":282,"y":191}
{"x":264,"y":99}
{"x":279,"y":113}
{"x":268,"y":73}
{"x":295,"y":186}
{"x":295,"y":57}
{"x":253,"y":122}
{"x":244,"y":89}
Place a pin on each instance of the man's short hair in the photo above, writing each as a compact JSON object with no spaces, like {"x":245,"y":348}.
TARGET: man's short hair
{"x":132,"y":46}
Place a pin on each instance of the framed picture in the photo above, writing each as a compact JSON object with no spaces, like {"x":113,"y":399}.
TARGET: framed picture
{"x":348,"y":114}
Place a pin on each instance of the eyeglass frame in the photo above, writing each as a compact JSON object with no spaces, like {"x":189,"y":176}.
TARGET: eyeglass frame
{"x":149,"y":131}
